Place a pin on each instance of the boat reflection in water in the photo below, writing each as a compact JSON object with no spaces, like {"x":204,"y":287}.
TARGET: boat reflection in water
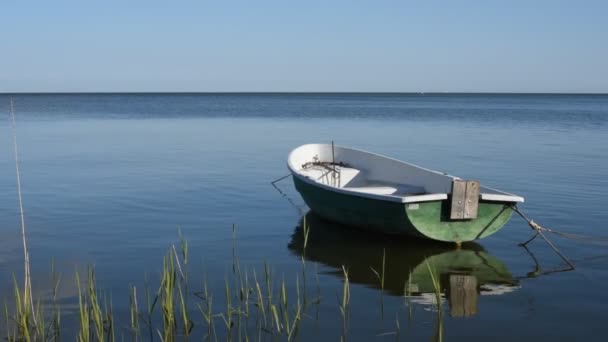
{"x":464,"y":273}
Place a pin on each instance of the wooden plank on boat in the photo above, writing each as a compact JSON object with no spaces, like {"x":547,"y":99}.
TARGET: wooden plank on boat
{"x":465,"y":199}
{"x":459,"y":189}
{"x":471,"y":202}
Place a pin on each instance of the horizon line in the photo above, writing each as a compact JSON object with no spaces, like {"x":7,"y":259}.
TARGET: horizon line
{"x":298,"y":92}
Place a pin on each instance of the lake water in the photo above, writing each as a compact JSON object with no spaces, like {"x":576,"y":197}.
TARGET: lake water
{"x":109,"y":178}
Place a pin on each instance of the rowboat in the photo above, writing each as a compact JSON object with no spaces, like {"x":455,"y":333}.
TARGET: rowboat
{"x":385,"y":195}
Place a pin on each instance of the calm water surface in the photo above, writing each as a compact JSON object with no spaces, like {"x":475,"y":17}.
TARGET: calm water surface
{"x":109,"y":179}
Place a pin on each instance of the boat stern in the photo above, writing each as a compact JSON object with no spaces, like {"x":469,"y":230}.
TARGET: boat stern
{"x":432,"y":220}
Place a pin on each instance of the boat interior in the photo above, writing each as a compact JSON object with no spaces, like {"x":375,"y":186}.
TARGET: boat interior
{"x":372,"y":175}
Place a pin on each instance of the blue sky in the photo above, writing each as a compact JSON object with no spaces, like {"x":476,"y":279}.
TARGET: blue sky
{"x":468,"y":46}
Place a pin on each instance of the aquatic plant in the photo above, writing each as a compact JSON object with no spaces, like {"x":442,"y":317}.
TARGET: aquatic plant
{"x":438,"y":304}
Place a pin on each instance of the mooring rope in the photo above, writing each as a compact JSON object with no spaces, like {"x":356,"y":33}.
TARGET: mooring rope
{"x":592,"y":239}
{"x":539,"y":232}
{"x":581,"y":237}
{"x":284,"y":195}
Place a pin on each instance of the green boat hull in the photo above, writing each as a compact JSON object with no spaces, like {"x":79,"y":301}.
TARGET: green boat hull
{"x":428,"y":220}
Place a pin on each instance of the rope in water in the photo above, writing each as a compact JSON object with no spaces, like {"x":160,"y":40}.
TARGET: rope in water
{"x":539,"y":232}
{"x":571,"y":236}
{"x":284,"y":195}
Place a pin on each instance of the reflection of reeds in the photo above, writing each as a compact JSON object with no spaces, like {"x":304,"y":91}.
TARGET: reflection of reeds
{"x":407,"y":292}
{"x":306,"y":229}
{"x":380,"y":277}
{"x":345,"y":304}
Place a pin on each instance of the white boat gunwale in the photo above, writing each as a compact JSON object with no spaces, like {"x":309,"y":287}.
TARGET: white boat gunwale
{"x":497,"y":196}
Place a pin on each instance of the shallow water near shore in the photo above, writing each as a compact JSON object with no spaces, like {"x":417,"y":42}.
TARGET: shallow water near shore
{"x":109,"y":178}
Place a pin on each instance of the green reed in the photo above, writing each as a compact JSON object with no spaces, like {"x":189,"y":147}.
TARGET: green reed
{"x":56,"y":311}
{"x":345,"y":304}
{"x":437,"y":292}
{"x":206,"y":309}
{"x":381,"y":276}
{"x":96,"y":321}
{"x":29,"y":319}
{"x":134,"y":314}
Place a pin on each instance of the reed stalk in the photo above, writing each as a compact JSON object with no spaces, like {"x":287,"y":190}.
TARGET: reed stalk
{"x":27,"y":315}
{"x":297,"y":315}
{"x":268,"y":277}
{"x":183,"y":286}
{"x":397,"y":327}
{"x":306,"y":229}
{"x":260,"y":300}
{"x":167,"y":298}
{"x":134,"y":315}
{"x":227,"y":317}
{"x":407,"y":293}
{"x":56,"y":313}
{"x":381,"y":276}
{"x":27,"y":283}
{"x":345,"y":304}
{"x":84,"y":334}
{"x":437,"y":292}
{"x":150,"y":305}
{"x":207,"y":311}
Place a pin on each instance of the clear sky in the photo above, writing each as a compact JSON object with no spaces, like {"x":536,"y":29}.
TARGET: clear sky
{"x":468,"y":46}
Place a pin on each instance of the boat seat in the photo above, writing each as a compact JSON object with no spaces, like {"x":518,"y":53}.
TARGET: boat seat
{"x":409,"y":189}
{"x":376,"y":190}
{"x":390,"y":189}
